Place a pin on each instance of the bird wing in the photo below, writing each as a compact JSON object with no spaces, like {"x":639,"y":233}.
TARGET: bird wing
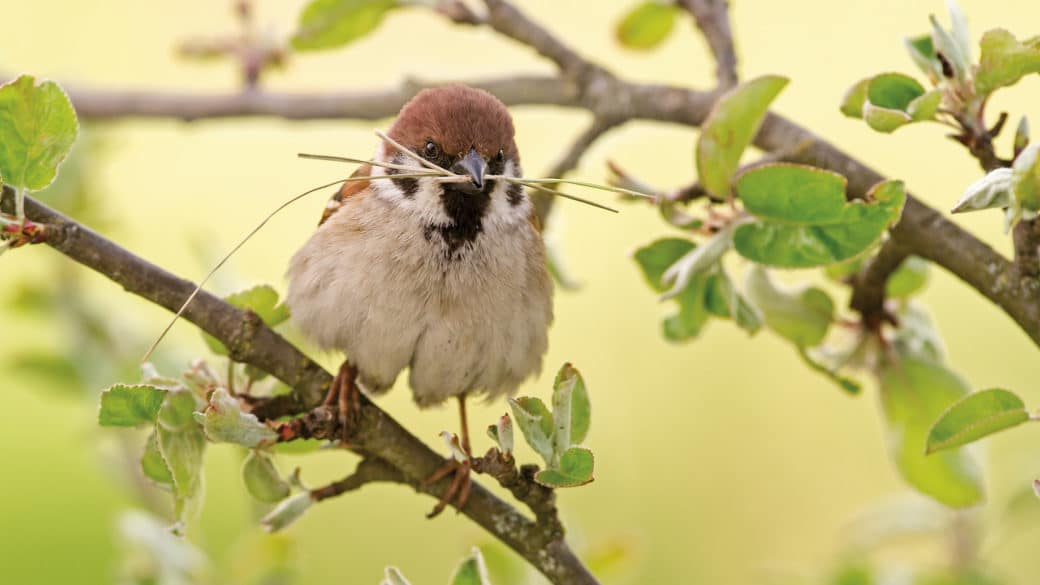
{"x":347,"y":190}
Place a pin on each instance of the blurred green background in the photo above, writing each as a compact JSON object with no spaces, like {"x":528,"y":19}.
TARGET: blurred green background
{"x":722,"y":461}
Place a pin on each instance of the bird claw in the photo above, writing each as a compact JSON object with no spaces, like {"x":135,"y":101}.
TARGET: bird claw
{"x":458,"y":489}
{"x":344,"y":392}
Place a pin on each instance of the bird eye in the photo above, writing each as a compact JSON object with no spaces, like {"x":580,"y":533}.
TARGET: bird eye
{"x":431,"y":150}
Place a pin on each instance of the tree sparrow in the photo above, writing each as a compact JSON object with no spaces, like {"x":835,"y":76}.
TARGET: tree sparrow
{"x":446,"y":278}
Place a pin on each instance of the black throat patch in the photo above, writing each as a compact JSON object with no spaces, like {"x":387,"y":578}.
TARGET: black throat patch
{"x":407,"y":186}
{"x":466,"y":215}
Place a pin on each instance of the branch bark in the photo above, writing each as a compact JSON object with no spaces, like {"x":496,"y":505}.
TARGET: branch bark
{"x":712,"y":17}
{"x":250,"y":341}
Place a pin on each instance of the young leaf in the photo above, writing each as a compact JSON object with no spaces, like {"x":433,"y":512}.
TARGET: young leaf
{"x":262,"y":478}
{"x":884,"y":119}
{"x":908,"y":279}
{"x":472,"y":571}
{"x":325,"y":24}
{"x":801,"y":316}
{"x":803,"y":220}
{"x":37,"y":129}
{"x":1005,"y":60}
{"x":153,"y":466}
{"x":696,"y":262}
{"x":655,"y":258}
{"x":845,"y":383}
{"x":1026,"y":178}
{"x":394,"y":577}
{"x":287,"y":512}
{"x":646,"y":26}
{"x":571,"y":409}
{"x":1021,"y":135}
{"x":693,"y":312}
{"x":224,"y":422}
{"x":894,"y":91}
{"x":130,"y":405}
{"x":922,"y":51}
{"x":575,"y":469}
{"x":181,"y":442}
{"x":536,"y":424}
{"x":994,"y":190}
{"x":975,"y":416}
{"x":855,"y":98}
{"x":502,"y":434}
{"x":724,"y":300}
{"x":950,"y":48}
{"x":914,"y":393}
{"x":729,"y":129}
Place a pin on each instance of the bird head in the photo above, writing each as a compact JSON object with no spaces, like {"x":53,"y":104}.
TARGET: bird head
{"x":469,"y":132}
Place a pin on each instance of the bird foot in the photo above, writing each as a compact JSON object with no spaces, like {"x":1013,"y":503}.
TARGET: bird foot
{"x":344,"y":392}
{"x":458,"y":489}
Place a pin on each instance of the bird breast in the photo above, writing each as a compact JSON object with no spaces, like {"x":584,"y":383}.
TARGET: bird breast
{"x":467,"y":317}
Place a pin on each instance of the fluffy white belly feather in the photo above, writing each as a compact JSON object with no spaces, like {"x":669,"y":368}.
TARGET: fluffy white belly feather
{"x":372,"y":283}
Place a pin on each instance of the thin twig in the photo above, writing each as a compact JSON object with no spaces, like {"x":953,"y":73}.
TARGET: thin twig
{"x":712,"y":17}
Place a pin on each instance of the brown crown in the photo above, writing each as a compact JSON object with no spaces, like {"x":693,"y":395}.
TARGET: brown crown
{"x":457,"y":118}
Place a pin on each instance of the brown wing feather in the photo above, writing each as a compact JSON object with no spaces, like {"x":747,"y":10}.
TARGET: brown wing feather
{"x":347,"y":190}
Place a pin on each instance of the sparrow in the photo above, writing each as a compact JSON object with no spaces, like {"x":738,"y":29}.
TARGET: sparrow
{"x":448,"y":279}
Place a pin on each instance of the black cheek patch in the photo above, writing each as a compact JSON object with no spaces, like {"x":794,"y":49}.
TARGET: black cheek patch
{"x":515,"y":194}
{"x":407,"y":186}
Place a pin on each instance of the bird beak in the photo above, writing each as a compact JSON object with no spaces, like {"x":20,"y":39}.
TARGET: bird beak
{"x":473,"y":166}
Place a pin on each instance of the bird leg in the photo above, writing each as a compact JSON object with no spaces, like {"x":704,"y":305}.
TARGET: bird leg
{"x":461,"y":481}
{"x":345,"y":394}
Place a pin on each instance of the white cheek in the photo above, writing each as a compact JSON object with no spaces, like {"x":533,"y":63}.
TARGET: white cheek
{"x":424,"y":204}
{"x":501,"y":210}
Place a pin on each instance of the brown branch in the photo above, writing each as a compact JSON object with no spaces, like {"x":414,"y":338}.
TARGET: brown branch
{"x":712,"y":17}
{"x":569,"y":161}
{"x":868,"y":286}
{"x":250,"y":341}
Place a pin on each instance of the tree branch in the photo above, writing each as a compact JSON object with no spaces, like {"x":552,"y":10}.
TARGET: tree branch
{"x":250,"y":341}
{"x":868,"y":286}
{"x":569,"y":161}
{"x":712,"y":17}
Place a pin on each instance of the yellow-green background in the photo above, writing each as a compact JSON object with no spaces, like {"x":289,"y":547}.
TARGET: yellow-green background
{"x":723,"y":461}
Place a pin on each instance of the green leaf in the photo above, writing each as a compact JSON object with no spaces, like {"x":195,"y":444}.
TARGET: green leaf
{"x":914,"y":393}
{"x":262,"y":300}
{"x":130,"y":405}
{"x":884,"y":119}
{"x":181,"y":442}
{"x":37,"y":129}
{"x":655,"y":258}
{"x":646,"y":26}
{"x":571,"y":409}
{"x":724,"y":300}
{"x":536,"y":424}
{"x":803,"y":220}
{"x":224,"y":422}
{"x":697,"y":262}
{"x":894,"y":91}
{"x":152,"y":464}
{"x":1005,"y":60}
{"x":854,"y":99}
{"x":925,"y":107}
{"x":977,"y":415}
{"x":1021,"y":135}
{"x":575,"y":469}
{"x":693,"y":312}
{"x":922,"y":51}
{"x":325,"y":24}
{"x":262,"y":478}
{"x":471,"y":571}
{"x":729,"y":129}
{"x":908,"y":279}
{"x":1026,"y":178}
{"x":801,"y":316}
{"x":287,"y":512}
